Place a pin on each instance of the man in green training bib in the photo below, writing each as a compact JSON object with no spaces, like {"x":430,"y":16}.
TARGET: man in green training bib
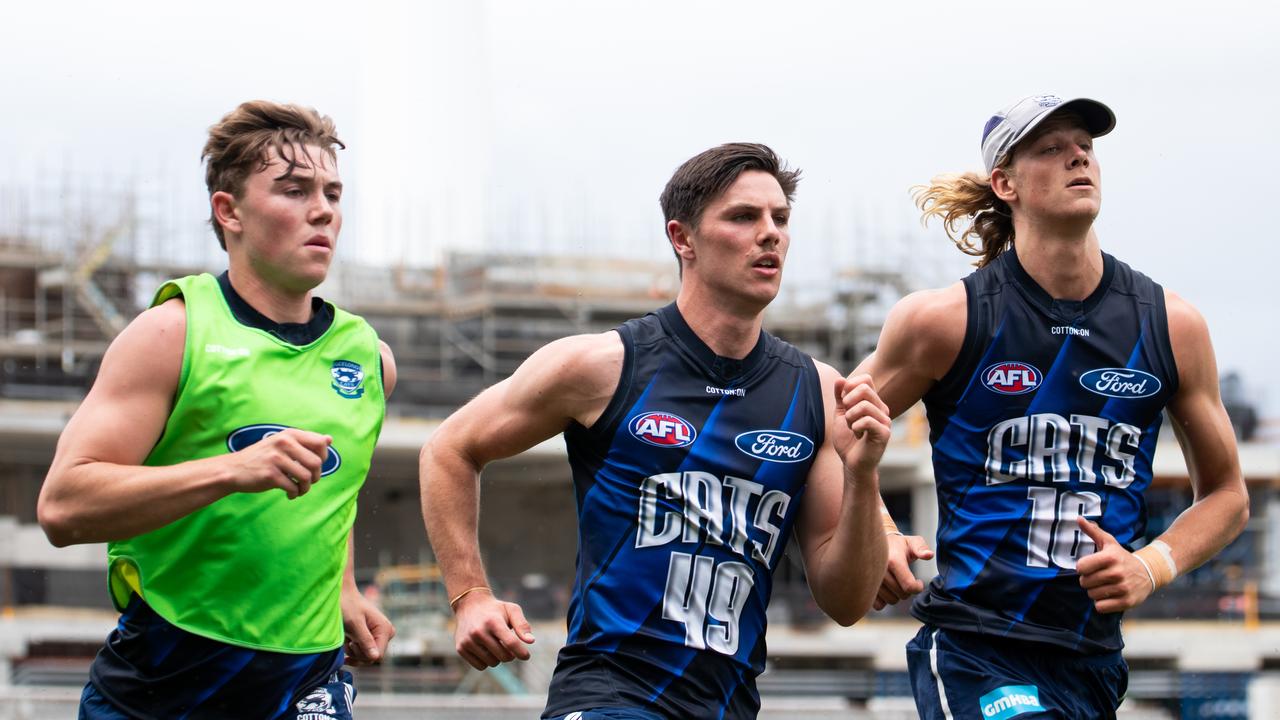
{"x":220,"y":452}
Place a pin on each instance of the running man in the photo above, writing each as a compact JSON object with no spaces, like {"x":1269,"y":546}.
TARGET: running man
{"x":220,"y":451}
{"x":697,"y":442}
{"x":1045,"y":375}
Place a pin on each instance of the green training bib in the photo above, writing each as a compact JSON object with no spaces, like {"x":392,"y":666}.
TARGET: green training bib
{"x":256,"y":569}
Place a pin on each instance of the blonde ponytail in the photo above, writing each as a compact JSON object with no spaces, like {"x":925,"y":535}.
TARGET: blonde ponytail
{"x":956,"y":198}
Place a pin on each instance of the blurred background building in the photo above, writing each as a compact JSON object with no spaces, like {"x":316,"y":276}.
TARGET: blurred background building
{"x":501,"y":192}
{"x":75,"y":269}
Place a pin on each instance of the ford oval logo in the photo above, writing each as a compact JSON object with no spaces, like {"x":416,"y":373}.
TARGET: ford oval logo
{"x":250,"y":434}
{"x":1120,"y":382}
{"x":1011,"y":378}
{"x":775,"y":445}
{"x":663,"y":429}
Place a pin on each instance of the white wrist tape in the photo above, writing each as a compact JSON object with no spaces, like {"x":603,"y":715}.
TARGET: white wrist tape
{"x":1157,"y":558}
{"x":1147,"y":567}
{"x":1167,"y":553}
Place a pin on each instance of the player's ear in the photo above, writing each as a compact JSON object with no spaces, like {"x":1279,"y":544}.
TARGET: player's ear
{"x":1004,"y":184}
{"x":681,"y":239}
{"x":226,"y":211}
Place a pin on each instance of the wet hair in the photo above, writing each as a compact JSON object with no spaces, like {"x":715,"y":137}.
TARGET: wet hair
{"x":241,"y":143}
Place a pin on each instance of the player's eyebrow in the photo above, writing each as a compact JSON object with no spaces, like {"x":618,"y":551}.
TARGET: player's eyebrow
{"x":307,"y":180}
{"x":741,"y":206}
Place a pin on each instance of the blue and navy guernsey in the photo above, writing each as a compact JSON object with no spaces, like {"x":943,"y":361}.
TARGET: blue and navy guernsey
{"x":687,"y":489}
{"x":1051,"y":411}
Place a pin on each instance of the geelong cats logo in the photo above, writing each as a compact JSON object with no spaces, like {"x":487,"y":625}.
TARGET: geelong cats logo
{"x":348,"y":379}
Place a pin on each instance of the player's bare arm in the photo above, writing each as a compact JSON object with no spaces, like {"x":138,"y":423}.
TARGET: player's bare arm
{"x":367,"y":629}
{"x":388,"y":369}
{"x":98,"y":491}
{"x":839,"y":528}
{"x":569,"y":380}
{"x":1118,"y":580}
{"x":919,"y":343}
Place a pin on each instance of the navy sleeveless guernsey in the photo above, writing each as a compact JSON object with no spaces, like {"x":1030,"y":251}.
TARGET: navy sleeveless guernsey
{"x":687,"y":488}
{"x":1051,"y":411}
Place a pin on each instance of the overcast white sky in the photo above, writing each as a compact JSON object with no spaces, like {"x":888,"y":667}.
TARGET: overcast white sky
{"x":582,"y":109}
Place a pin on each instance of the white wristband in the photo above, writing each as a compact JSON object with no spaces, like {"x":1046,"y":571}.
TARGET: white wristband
{"x":1147,"y":567}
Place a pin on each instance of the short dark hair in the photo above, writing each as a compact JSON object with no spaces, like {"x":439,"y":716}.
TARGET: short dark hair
{"x":240,"y":145}
{"x":703,"y":177}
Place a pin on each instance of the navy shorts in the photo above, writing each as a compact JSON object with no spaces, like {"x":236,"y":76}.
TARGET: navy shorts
{"x":150,"y":669}
{"x":330,"y":701}
{"x":967,"y":676}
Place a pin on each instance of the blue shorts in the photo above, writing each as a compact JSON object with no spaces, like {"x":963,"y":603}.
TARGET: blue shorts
{"x":330,"y":701}
{"x":967,"y":676}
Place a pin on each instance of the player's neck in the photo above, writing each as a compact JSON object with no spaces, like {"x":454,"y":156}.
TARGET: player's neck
{"x":277,"y":304}
{"x":729,"y":334}
{"x":1068,"y":267}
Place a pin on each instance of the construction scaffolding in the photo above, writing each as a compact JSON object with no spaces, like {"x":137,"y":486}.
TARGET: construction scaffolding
{"x":455,"y":328}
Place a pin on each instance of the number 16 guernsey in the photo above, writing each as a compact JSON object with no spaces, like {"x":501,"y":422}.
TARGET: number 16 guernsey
{"x":1050,"y":412}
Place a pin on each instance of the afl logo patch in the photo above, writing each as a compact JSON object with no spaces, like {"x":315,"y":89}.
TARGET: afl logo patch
{"x":348,"y":379}
{"x":775,"y":445}
{"x":1120,"y":383}
{"x":662,"y":429}
{"x":250,"y":434}
{"x":1011,"y":378}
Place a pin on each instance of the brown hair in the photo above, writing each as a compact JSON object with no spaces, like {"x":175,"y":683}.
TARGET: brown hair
{"x":703,"y":177}
{"x":239,"y":145}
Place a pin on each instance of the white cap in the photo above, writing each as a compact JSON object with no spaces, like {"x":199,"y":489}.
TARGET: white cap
{"x":1007,"y":127}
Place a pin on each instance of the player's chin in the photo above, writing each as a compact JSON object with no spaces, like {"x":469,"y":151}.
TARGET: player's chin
{"x":309,"y":272}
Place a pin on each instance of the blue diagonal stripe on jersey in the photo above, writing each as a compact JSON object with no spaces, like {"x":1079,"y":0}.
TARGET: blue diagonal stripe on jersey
{"x":1128,"y":409}
{"x":972,"y":416}
{"x":959,"y":427}
{"x":1112,"y":502}
{"x":698,"y":453}
{"x":724,"y":701}
{"x":986,"y":583}
{"x":615,"y":448}
{"x":1055,"y":384}
{"x":763,"y":585}
{"x":766,"y":472}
